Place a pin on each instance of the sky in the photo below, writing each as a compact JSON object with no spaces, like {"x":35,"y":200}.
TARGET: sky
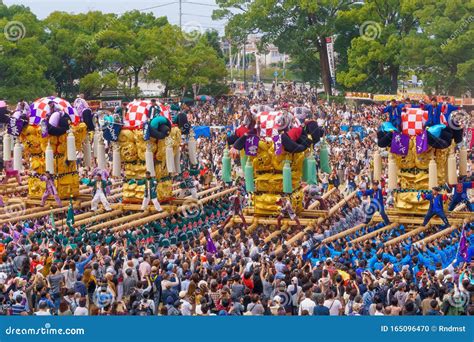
{"x":196,"y":13}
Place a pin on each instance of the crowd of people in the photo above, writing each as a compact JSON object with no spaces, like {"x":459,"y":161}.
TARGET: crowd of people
{"x":199,"y":265}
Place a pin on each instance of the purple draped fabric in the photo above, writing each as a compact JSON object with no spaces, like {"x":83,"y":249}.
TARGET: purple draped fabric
{"x":277,"y":144}
{"x":251,"y":145}
{"x":400,"y":144}
{"x":421,"y":142}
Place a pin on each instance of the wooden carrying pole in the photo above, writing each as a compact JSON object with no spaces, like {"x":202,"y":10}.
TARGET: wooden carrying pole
{"x":374,"y":233}
{"x":407,"y":235}
{"x":124,"y":225}
{"x":46,"y":212}
{"x":320,"y":220}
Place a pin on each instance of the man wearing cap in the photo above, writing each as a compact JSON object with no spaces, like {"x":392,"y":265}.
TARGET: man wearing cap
{"x":376,"y":202}
{"x":436,"y":206}
{"x":50,"y":189}
{"x":98,"y":190}
{"x":236,"y":202}
{"x":286,"y":210}
{"x":150,"y":192}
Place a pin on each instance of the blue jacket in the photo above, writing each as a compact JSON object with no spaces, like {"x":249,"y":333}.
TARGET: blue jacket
{"x":460,"y":190}
{"x":436,"y":202}
{"x":394,"y":115}
{"x":376,"y":196}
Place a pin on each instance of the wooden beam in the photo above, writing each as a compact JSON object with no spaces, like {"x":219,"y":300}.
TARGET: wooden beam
{"x":374,"y":233}
{"x":45,"y":212}
{"x":344,"y":233}
{"x":443,"y":232}
{"x":407,"y":235}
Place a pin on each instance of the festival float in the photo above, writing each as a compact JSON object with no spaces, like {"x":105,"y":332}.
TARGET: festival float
{"x":146,"y":143}
{"x":420,"y":157}
{"x":276,"y":153}
{"x":47,"y":134}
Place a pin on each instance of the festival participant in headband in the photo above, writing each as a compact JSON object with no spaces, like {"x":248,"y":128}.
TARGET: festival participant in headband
{"x":50,"y":189}
{"x":460,"y":194}
{"x":150,"y":192}
{"x":154,"y":109}
{"x":23,"y":108}
{"x":394,"y":114}
{"x":434,"y":113}
{"x":80,"y":104}
{"x":188,"y":185}
{"x":286,"y":210}
{"x":436,"y":206}
{"x":98,"y":191}
{"x":236,"y":204}
{"x":376,"y":202}
{"x":10,"y":172}
{"x":447,"y":108}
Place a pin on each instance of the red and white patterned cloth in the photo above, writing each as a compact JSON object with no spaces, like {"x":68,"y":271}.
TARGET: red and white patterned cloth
{"x":137,"y":114}
{"x":165,"y":111}
{"x":271,"y":121}
{"x":268,"y":123}
{"x":413,"y":121}
{"x":40,"y":108}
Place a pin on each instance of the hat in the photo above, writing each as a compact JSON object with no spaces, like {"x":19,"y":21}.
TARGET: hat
{"x":277,"y":299}
{"x":39,"y":267}
{"x":169,"y":300}
{"x":202,"y":283}
{"x":170,"y":266}
{"x":182,"y":294}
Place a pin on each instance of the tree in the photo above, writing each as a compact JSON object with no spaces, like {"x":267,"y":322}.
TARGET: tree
{"x":23,"y":57}
{"x":441,"y":51}
{"x":296,"y":27}
{"x":94,"y":83}
{"x":374,"y":58}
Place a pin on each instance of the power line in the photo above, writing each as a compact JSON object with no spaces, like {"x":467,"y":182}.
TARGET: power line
{"x":197,"y":15}
{"x":158,"y":6}
{"x":200,"y":4}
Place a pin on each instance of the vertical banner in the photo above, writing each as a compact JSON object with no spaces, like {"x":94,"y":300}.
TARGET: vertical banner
{"x":332,"y":68}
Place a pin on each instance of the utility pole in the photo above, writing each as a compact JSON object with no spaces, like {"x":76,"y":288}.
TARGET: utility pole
{"x":245,"y":66}
{"x":180,"y":13}
{"x":230,"y":62}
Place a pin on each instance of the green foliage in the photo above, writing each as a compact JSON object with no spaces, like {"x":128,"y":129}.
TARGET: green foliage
{"x":67,"y":53}
{"x":377,"y":42}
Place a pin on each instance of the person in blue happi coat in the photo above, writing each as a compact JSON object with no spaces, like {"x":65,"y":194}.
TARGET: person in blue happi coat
{"x":376,"y":202}
{"x":436,"y":206}
{"x":460,"y":194}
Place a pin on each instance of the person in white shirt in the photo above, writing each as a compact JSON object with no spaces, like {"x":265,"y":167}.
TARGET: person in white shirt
{"x":82,"y":310}
{"x":307,"y":304}
{"x":42,"y":309}
{"x":334,"y":305}
{"x":185,"y":307}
